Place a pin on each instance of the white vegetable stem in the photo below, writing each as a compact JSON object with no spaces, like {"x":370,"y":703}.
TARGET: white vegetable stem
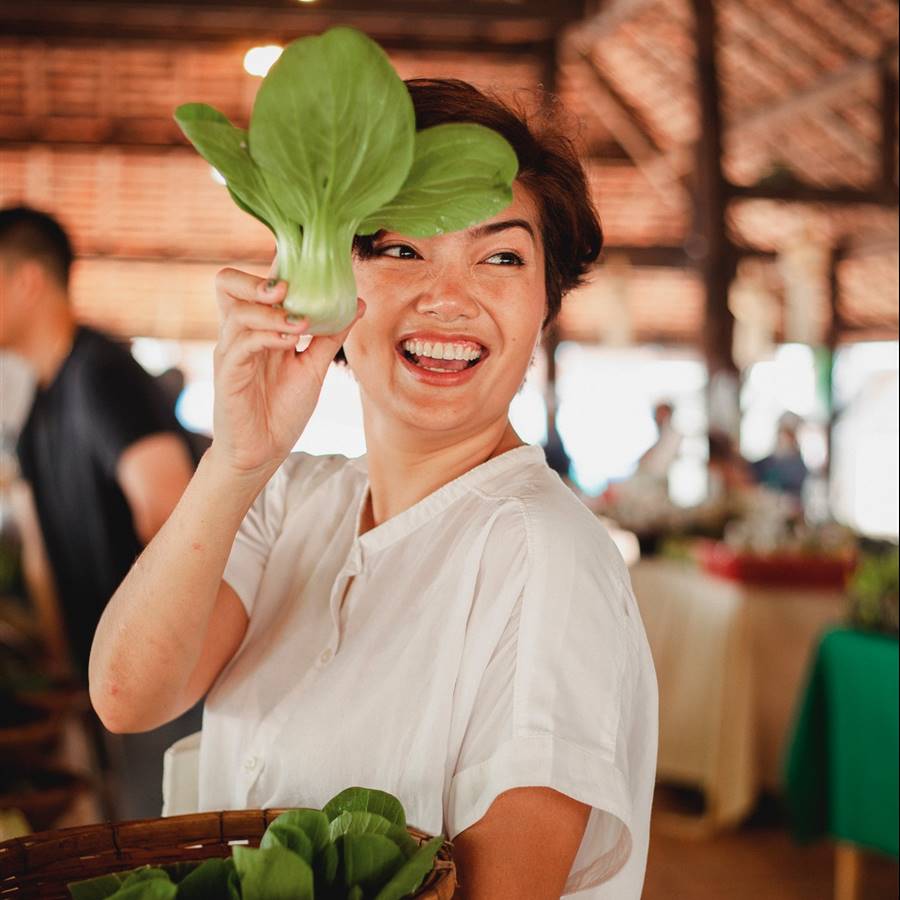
{"x":319,"y":273}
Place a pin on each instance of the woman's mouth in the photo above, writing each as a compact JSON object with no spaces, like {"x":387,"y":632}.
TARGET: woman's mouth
{"x":441,"y":362}
{"x":442,"y":356}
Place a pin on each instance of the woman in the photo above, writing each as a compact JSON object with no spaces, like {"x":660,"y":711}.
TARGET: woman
{"x":441,"y":619}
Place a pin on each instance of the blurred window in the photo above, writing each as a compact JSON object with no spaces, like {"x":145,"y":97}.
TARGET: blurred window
{"x":606,"y":402}
{"x":865,"y":483}
{"x":785,"y":383}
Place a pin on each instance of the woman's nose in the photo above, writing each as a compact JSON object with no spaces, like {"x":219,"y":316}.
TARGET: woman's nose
{"x":447,"y":296}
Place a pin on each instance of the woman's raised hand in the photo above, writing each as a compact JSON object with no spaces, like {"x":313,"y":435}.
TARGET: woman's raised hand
{"x":265,"y":391}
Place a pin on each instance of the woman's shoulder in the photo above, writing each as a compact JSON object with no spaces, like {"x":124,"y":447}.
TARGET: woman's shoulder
{"x":559,"y":525}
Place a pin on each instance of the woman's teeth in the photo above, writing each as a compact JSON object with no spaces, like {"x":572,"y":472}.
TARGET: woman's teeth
{"x":442,"y":350}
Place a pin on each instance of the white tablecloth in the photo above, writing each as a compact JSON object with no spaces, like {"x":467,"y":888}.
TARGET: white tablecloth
{"x":731,"y":660}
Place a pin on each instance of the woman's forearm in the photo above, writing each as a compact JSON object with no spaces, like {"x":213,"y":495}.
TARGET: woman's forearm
{"x":151,"y":633}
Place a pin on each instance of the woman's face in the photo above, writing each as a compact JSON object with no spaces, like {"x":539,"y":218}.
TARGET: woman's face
{"x":451,"y":323}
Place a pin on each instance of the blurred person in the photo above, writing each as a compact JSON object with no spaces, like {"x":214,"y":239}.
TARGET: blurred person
{"x":557,"y":456}
{"x":100,"y":449}
{"x":509,"y":696}
{"x":783,"y":469}
{"x":657,"y":460}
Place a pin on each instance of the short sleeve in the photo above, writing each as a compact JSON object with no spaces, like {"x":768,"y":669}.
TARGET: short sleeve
{"x":556,"y":702}
{"x":123,"y":405}
{"x":253,"y":542}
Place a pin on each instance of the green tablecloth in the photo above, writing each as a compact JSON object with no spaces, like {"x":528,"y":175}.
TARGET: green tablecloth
{"x":842,"y":765}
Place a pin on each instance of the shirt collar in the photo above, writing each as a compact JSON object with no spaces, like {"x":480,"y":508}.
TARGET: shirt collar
{"x":427,"y":508}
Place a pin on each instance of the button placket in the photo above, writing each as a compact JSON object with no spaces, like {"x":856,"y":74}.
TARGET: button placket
{"x":252,"y":766}
{"x":351,"y":569}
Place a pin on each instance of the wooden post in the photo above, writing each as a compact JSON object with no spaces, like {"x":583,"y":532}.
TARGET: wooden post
{"x":709,"y":244}
{"x":833,"y":336}
{"x":847,"y":867}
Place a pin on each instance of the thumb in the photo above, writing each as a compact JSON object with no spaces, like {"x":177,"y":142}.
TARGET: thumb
{"x":323,"y":348}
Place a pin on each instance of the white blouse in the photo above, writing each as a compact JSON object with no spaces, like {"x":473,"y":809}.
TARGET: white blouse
{"x":484,"y":639}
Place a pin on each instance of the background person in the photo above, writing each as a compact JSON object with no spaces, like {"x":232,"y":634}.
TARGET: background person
{"x":783,"y":469}
{"x":657,"y":459}
{"x":102,"y":452}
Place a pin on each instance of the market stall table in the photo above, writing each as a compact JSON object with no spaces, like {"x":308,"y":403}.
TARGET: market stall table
{"x":841,"y":774}
{"x":731,"y":660}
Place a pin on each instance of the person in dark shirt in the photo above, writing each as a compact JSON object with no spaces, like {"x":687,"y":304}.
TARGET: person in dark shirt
{"x":101,"y":450}
{"x":783,"y":469}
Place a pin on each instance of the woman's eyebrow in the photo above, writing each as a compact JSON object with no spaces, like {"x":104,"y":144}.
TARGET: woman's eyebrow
{"x":494,"y":227}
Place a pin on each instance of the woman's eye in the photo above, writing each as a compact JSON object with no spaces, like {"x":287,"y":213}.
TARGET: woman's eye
{"x":505,"y":258}
{"x":397,"y":251}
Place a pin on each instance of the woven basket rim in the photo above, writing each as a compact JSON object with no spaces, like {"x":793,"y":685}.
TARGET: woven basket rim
{"x":48,"y":860}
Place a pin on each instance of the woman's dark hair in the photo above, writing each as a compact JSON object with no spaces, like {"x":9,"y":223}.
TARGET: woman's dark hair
{"x":27,"y":233}
{"x":548,"y":166}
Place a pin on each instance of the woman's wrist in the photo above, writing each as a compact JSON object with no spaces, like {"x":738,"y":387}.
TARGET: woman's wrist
{"x":242,"y":485}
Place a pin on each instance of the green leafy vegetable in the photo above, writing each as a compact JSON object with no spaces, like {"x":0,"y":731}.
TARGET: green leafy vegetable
{"x":356,"y":848}
{"x":290,"y":837}
{"x":357,"y":799}
{"x":98,"y":888}
{"x":274,"y":873}
{"x":408,"y":878}
{"x":359,"y":823}
{"x":144,"y":883}
{"x":212,"y":878}
{"x":332,"y":152}
{"x":368,"y":859}
{"x":313,"y":822}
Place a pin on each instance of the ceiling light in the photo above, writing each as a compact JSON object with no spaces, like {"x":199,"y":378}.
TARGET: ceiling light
{"x":258,"y":60}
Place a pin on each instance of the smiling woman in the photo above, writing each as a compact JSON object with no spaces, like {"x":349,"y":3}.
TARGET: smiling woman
{"x":441,"y":618}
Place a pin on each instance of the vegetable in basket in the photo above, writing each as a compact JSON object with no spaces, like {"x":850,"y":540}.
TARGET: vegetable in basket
{"x":332,"y":152}
{"x":355,"y":848}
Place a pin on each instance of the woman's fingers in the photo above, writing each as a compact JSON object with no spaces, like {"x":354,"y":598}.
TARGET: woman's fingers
{"x":234,"y":285}
{"x":255,"y":317}
{"x":251,"y":320}
{"x":249,"y":343}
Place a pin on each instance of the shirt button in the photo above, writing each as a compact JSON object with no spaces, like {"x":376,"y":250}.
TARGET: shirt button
{"x":250,"y":763}
{"x":325,"y":656}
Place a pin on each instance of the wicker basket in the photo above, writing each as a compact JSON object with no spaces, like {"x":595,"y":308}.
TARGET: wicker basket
{"x":41,"y":865}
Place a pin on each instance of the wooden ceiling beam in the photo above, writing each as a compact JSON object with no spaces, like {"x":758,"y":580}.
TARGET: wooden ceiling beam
{"x":500,"y":26}
{"x":872,"y":243}
{"x":799,"y":192}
